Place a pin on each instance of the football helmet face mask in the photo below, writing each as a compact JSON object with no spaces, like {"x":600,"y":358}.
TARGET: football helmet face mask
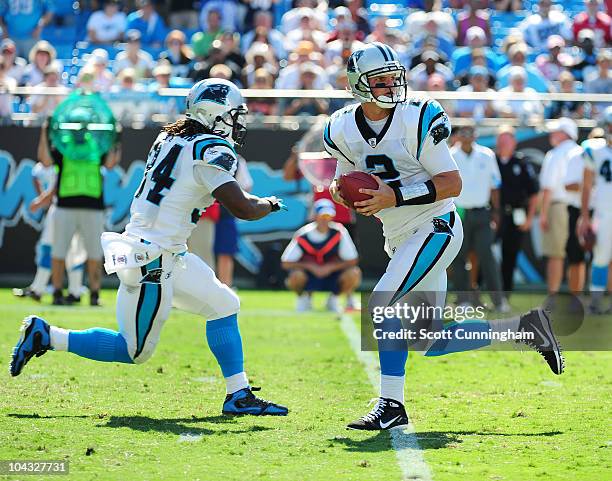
{"x":370,"y":71}
{"x":218,"y":105}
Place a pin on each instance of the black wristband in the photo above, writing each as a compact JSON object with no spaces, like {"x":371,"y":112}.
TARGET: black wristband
{"x":417,"y":194}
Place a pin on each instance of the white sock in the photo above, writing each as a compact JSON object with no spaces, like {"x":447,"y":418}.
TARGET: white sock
{"x":236,"y":382}
{"x":392,"y":387}
{"x":41,"y":280}
{"x":75,"y":282}
{"x":502,"y":326}
{"x":59,"y":338}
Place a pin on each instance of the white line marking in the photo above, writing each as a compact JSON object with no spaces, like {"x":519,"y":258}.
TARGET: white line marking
{"x":405,"y":442}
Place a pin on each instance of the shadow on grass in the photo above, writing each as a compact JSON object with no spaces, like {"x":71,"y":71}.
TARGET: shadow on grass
{"x":426,"y":439}
{"x":38,"y":416}
{"x":176,"y":426}
{"x":179,"y":426}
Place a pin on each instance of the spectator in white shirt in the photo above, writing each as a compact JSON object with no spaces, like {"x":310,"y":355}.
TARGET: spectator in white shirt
{"x":542,"y":24}
{"x":44,"y":105}
{"x":307,"y":29}
{"x":16,"y":65}
{"x":41,"y":56}
{"x":291,"y":20}
{"x":289,"y":77}
{"x":431,"y":63}
{"x":134,"y":57}
{"x":554,"y":219}
{"x":108,"y":25}
{"x":417,"y":21}
{"x":478,"y":205}
{"x":519,"y":109}
{"x":7,"y":85}
{"x":474,"y":108}
{"x":103,"y":78}
{"x":264,"y":26}
{"x":339,"y":50}
{"x":321,"y":257}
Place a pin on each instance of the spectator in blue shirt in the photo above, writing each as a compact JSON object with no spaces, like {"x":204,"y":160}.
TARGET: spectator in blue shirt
{"x":518,"y":56}
{"x":24,"y":21}
{"x":228,"y":9}
{"x":461,"y":59}
{"x":148,"y":22}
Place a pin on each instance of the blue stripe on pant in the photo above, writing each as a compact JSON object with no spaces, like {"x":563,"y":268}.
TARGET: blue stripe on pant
{"x":148,"y":305}
{"x":431,"y":251}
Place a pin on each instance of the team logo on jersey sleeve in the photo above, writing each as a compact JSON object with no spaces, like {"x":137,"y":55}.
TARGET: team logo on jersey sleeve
{"x":439,"y":133}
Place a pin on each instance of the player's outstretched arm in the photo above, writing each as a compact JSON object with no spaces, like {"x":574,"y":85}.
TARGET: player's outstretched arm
{"x":244,"y":205}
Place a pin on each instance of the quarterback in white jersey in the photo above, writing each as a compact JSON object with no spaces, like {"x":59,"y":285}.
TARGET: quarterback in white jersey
{"x":402,"y":142}
{"x":597,"y":192}
{"x":191,"y":163}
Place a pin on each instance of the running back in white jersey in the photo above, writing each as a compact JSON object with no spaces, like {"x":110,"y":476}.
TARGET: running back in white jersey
{"x":411,"y":148}
{"x":179,"y":178}
{"x":598,"y":158}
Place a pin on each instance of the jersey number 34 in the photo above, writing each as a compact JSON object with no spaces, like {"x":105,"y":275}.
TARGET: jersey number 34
{"x":160,"y":174}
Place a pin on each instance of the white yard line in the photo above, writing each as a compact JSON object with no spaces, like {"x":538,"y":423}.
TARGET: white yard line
{"x":405,"y":442}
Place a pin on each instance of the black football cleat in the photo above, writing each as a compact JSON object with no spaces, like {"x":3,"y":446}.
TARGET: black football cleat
{"x":387,"y":414}
{"x":537,"y":323}
{"x":245,"y":402}
{"x":35,"y":340}
{"x":72,"y":299}
{"x":94,"y":298}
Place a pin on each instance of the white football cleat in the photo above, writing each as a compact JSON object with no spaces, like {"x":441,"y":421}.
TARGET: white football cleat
{"x":304,"y":303}
{"x":333,"y":304}
{"x":352,"y":303}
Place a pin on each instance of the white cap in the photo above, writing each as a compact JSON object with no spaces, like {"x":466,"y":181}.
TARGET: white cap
{"x":564,"y":124}
{"x":324,"y":207}
{"x":475,"y":32}
{"x":99,"y":56}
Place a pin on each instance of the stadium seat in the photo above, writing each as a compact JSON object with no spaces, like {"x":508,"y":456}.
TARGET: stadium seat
{"x":59,"y":35}
{"x":64,"y":50}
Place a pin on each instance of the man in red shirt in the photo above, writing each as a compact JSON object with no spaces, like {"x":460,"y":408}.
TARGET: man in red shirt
{"x":321,"y":257}
{"x":594,"y":18}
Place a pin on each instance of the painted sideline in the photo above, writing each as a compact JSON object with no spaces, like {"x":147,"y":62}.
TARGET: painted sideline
{"x":405,"y":442}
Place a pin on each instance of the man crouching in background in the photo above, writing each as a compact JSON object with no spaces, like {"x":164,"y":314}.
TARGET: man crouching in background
{"x":321,"y":257}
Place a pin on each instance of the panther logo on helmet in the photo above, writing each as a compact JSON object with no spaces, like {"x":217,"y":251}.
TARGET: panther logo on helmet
{"x":214,"y":93}
{"x":218,"y":105}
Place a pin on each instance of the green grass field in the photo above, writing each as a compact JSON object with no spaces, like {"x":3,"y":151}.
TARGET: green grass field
{"x":477,"y":416}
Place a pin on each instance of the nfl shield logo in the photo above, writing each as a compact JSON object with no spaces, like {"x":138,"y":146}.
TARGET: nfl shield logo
{"x":372,"y":142}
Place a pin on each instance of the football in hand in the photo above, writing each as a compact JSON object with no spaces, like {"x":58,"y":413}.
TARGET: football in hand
{"x":349,"y":185}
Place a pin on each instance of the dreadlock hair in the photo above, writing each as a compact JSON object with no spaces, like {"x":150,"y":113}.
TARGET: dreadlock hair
{"x":185,"y":128}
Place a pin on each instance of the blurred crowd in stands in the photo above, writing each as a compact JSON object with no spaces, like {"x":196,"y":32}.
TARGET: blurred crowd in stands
{"x":131,"y":49}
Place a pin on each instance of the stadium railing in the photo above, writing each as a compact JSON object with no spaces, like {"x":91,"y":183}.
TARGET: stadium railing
{"x":159,"y":113}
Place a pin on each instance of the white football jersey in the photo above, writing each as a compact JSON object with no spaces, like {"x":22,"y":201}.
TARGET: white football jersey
{"x":598,"y":158}
{"x":179,"y":178}
{"x":411,"y":148}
